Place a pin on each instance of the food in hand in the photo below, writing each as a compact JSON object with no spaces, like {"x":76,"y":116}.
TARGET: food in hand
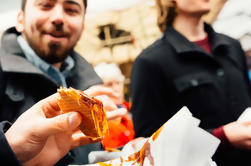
{"x":94,"y":121}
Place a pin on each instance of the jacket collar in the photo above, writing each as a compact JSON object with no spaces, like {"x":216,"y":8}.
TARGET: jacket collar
{"x":13,"y":60}
{"x":12,"y":57}
{"x":182,"y":44}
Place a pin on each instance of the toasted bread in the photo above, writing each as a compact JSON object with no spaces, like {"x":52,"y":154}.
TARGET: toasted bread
{"x":94,"y":122}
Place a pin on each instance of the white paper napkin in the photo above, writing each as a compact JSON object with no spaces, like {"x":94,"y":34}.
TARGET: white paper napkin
{"x":246,"y":115}
{"x":180,"y":143}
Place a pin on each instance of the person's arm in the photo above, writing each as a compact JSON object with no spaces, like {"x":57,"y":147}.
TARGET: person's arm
{"x":6,"y":154}
{"x":42,"y":132}
{"x":235,"y":134}
{"x":220,"y":134}
{"x":238,"y":134}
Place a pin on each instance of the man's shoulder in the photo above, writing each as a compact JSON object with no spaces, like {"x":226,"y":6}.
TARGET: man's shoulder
{"x":9,"y":44}
{"x":78,"y":58}
{"x":84,"y":74}
{"x":9,"y":39}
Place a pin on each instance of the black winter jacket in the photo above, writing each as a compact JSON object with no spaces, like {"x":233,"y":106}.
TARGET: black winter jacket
{"x":174,"y":72}
{"x":22,"y":84}
{"x":6,"y":154}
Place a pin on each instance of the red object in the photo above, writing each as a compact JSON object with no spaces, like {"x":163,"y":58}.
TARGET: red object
{"x":126,"y":105}
{"x":204,"y":43}
{"x":219,"y":133}
{"x":121,"y":131}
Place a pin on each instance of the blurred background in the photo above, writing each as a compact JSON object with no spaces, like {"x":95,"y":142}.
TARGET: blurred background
{"x":118,"y":30}
{"x":115,"y":30}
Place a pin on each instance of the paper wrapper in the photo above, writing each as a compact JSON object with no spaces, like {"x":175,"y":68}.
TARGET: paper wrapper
{"x":245,"y":116}
{"x":179,"y":142}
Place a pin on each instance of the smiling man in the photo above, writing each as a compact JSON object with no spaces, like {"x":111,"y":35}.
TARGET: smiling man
{"x":37,"y":57}
{"x":52,"y":27}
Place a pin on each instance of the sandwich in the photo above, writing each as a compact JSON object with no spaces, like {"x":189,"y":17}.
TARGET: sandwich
{"x":94,"y":122}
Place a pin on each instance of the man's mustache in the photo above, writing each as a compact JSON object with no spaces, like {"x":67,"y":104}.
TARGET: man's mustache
{"x":56,"y":32}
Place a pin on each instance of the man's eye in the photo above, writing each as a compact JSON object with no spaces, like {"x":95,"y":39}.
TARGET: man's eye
{"x":70,"y":10}
{"x":46,"y":5}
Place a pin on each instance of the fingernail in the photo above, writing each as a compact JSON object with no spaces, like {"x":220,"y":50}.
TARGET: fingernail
{"x":73,"y":119}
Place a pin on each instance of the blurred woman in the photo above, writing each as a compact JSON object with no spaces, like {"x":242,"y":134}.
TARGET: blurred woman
{"x":192,"y":65}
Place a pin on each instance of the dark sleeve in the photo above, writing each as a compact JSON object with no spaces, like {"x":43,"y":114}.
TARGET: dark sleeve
{"x":220,"y":134}
{"x":2,"y":82}
{"x":148,"y":102}
{"x":66,"y":160}
{"x":6,"y":154}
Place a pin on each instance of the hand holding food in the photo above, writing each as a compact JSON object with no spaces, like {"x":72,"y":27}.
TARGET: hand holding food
{"x":42,"y":132}
{"x":94,"y":122}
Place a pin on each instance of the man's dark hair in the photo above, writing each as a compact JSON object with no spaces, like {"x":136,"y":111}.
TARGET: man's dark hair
{"x":24,"y":3}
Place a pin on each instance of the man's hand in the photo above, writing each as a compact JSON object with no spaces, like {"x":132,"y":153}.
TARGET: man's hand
{"x":99,"y":90}
{"x":107,"y":96}
{"x":239,"y":134}
{"x":42,"y":135}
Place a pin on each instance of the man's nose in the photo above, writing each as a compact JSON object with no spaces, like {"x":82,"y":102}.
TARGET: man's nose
{"x":57,"y":17}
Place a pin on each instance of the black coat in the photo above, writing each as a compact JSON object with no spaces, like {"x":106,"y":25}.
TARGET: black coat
{"x":22,"y":84}
{"x":174,"y":72}
{"x":6,"y":154}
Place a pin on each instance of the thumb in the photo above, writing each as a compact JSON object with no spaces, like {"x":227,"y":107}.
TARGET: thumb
{"x":61,"y":123}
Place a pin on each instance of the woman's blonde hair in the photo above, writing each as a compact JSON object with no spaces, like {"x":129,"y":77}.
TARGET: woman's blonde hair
{"x":166,"y":13}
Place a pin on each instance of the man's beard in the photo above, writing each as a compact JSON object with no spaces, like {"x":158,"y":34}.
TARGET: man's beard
{"x":50,"y":52}
{"x":54,"y":54}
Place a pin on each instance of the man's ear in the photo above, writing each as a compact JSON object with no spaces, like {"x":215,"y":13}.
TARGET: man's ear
{"x":20,"y":21}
